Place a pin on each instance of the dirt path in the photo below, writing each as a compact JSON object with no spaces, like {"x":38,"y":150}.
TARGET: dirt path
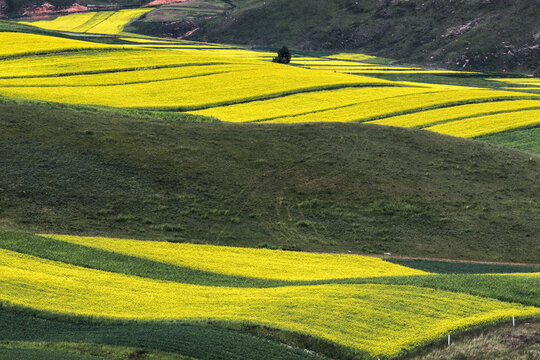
{"x":453,"y":260}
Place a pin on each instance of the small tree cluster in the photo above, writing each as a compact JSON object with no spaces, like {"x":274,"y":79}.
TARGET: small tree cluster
{"x":283,"y":57}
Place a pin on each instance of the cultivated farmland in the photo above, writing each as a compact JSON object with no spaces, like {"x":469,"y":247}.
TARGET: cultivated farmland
{"x":237,"y":85}
{"x":193,"y":176}
{"x":425,"y":313}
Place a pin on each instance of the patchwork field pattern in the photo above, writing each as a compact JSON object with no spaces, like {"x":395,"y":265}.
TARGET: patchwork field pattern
{"x":234,"y":84}
{"x":18,"y":44}
{"x":257,"y":263}
{"x":488,"y":124}
{"x":314,"y":310}
{"x":104,"y":22}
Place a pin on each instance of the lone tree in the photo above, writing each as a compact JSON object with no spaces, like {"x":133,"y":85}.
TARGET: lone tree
{"x":283,"y":56}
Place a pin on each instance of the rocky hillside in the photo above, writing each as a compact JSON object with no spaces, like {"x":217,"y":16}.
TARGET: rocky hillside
{"x":33,"y":8}
{"x":492,"y":35}
{"x":480,"y":35}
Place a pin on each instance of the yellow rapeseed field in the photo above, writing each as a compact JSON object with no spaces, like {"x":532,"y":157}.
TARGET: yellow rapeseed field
{"x":67,"y":22}
{"x":427,"y":117}
{"x":537,"y":274}
{"x":306,"y":103}
{"x":349,"y":56}
{"x":126,"y":77}
{"x":235,"y":84}
{"x":260,"y":81}
{"x":104,"y":61}
{"x":14,"y":43}
{"x":104,"y":22}
{"x":116,"y":22}
{"x":414,"y":102}
{"x":478,"y":126}
{"x":256,"y":263}
{"x":519,"y":81}
{"x":379,"y":319}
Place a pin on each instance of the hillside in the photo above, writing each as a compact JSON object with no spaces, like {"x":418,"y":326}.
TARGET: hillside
{"x":15,"y":8}
{"x":327,"y":187}
{"x":494,"y":35}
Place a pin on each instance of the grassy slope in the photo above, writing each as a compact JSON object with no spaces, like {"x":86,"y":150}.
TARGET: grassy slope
{"x":327,"y":187}
{"x":501,"y":342}
{"x":199,"y":341}
{"x":523,"y":139}
{"x":411,"y":31}
{"x":16,"y":7}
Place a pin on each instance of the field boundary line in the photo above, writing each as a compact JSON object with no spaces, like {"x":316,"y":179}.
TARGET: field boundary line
{"x":447,"y":105}
{"x":477,"y":115}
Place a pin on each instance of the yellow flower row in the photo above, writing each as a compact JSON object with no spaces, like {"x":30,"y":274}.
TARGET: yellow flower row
{"x":67,"y":22}
{"x":104,"y":22}
{"x":86,"y":26}
{"x":99,"y":61}
{"x":392,"y":105}
{"x":306,"y":103}
{"x":427,"y":117}
{"x":535,"y":275}
{"x":379,"y":319}
{"x":126,"y":77}
{"x":14,"y":43}
{"x":260,"y":81}
{"x":116,"y":22}
{"x":256,"y":263}
{"x":520,"y":81}
{"x":349,"y":56}
{"x":488,"y":124}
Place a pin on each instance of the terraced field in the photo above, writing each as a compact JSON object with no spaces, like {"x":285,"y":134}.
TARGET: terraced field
{"x":315,"y":310}
{"x":103,"y":22}
{"x":237,"y":85}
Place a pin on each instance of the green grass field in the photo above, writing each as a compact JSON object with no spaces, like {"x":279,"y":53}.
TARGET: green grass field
{"x":315,"y":188}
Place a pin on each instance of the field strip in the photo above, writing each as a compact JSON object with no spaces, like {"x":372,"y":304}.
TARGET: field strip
{"x":488,"y":124}
{"x":18,"y":44}
{"x":518,"y":81}
{"x":115,"y":24}
{"x":201,"y":341}
{"x":428,"y":117}
{"x":524,"y":290}
{"x":534,"y":275}
{"x":73,"y":21}
{"x":126,"y":82}
{"x":304,"y":103}
{"x":481,"y":115}
{"x":95,"y":258}
{"x":350,"y":56}
{"x":112,"y":71}
{"x":316,"y":310}
{"x":100,"y":62}
{"x":98,"y":18}
{"x":247,"y":262}
{"x":524,"y":139}
{"x":374,"y":110}
{"x":265,"y":82}
{"x":62,"y":349}
{"x":521,"y":289}
{"x":125,"y":77}
{"x":104,"y":22}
